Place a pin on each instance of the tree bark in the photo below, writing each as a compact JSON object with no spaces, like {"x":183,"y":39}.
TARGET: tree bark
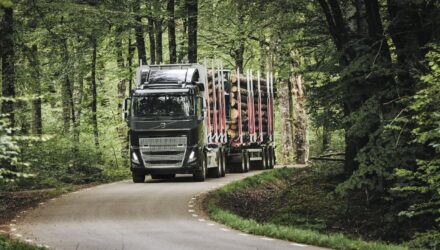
{"x":286,"y":132}
{"x":94,"y":93}
{"x":8,"y":64}
{"x":192,"y":11}
{"x":66,"y":89}
{"x":130,"y":64}
{"x":300,"y":123}
{"x":159,"y":32}
{"x":151,"y":34}
{"x":37,"y":121}
{"x":239,"y":50}
{"x":139,"y":33}
{"x":171,"y":32}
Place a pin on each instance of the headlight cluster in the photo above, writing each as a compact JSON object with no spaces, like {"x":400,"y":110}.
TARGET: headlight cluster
{"x":192,"y":156}
{"x":134,"y":158}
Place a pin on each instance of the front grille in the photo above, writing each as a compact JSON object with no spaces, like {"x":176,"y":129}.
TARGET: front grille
{"x":163,"y":152}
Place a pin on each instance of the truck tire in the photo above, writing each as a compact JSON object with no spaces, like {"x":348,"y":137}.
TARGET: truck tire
{"x":200,"y":175}
{"x":264,"y":160}
{"x":223,"y":162}
{"x":217,"y":171}
{"x":271,"y":157}
{"x":138,"y":178}
{"x":246,"y":162}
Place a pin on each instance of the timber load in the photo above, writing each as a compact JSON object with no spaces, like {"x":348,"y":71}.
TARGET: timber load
{"x":240,"y":107}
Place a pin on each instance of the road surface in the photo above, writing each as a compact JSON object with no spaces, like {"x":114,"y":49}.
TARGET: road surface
{"x":154,"y":215}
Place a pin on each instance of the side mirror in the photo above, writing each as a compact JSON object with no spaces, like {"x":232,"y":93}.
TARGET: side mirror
{"x":201,"y":86}
{"x":125,"y":109}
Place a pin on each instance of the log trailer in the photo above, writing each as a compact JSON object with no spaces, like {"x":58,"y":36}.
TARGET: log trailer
{"x":186,"y":119}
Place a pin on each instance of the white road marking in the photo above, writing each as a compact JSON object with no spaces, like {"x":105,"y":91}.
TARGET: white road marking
{"x":29,"y":240}
{"x":191,"y":210}
{"x":243,"y":234}
{"x":195,"y":215}
{"x":297,"y":245}
{"x":190,"y":205}
{"x":211,"y":224}
{"x":202,"y":220}
{"x":18,"y":235}
{"x":225,"y":230}
{"x":264,"y":238}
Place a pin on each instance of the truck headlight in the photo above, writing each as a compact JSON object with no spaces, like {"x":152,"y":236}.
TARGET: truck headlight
{"x":192,"y":156}
{"x":134,"y":158}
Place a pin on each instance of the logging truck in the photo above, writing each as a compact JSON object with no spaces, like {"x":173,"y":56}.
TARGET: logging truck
{"x":188,"y":119}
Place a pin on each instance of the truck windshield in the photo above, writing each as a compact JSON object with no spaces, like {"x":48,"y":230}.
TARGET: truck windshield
{"x":154,"y":105}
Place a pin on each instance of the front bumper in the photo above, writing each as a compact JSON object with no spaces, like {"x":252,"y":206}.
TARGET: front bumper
{"x":185,"y":169}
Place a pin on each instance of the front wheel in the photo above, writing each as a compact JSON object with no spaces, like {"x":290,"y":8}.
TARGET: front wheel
{"x":138,"y":178}
{"x":200,"y":175}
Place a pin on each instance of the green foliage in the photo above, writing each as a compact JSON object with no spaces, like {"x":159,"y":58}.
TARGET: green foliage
{"x":6,"y":244}
{"x":422,"y":183}
{"x":285,"y":227}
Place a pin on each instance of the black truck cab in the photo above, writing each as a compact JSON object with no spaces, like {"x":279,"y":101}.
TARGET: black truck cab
{"x":165,"y":116}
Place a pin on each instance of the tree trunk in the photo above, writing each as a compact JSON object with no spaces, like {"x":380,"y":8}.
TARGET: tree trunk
{"x":140,"y":42}
{"x":192,"y":11}
{"x":130,"y":64}
{"x":151,"y":36}
{"x":171,"y":32}
{"x":286,"y":125}
{"x":300,"y":123}
{"x":37,"y":123}
{"x":94,"y":93}
{"x":159,"y":45}
{"x":122,"y":85}
{"x":239,"y":50}
{"x":66,"y":90}
{"x":8,"y":61}
{"x":121,"y":128}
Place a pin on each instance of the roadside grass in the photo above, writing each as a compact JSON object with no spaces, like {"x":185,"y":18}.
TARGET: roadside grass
{"x":272,"y":227}
{"x":8,"y":244}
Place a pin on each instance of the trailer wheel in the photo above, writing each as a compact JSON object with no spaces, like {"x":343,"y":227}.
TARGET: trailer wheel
{"x":200,"y":175}
{"x":264,"y":164}
{"x":217,"y":171}
{"x":138,"y":178}
{"x":223,"y":162}
{"x":271,"y":160}
{"x":246,"y":161}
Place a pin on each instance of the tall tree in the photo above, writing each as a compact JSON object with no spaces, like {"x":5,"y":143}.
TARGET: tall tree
{"x":94,"y":92}
{"x":37,"y":120}
{"x":300,"y":123}
{"x":158,"y":27}
{"x":151,"y":32}
{"x":8,"y":63}
{"x":171,"y":32}
{"x":192,"y":13}
{"x":139,"y":32}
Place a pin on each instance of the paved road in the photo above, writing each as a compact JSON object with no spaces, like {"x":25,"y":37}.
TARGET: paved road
{"x":123,"y":215}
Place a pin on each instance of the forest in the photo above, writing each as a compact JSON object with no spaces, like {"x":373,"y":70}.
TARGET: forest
{"x":358,"y":89}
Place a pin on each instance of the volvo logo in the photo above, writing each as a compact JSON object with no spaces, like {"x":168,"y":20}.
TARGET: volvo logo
{"x":163,"y":125}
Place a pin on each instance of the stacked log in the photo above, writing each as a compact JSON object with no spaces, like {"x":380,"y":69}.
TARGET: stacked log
{"x":249,"y":116}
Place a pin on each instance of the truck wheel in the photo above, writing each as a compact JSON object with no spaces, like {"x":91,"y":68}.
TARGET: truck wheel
{"x":223,"y":162}
{"x":138,"y":178}
{"x":241,"y":168}
{"x":217,"y":171}
{"x":247,"y":162}
{"x":200,"y":175}
{"x":271,"y":160}
{"x":264,"y":159}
